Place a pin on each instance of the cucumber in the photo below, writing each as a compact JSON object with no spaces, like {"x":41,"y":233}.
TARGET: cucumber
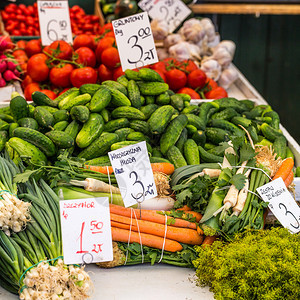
{"x":280,"y":147}
{"x":241,"y":121}
{"x":128,"y":112}
{"x":120,"y":145}
{"x":143,"y":100}
{"x":90,"y":131}
{"x":4,"y":125}
{"x":67,"y":96}
{"x":192,"y":109}
{"x":172,"y":133}
{"x":115,"y":85}
{"x":231,"y":103}
{"x":118,"y":98}
{"x":62,"y":125}
{"x":99,"y":147}
{"x":216,"y":135}
{"x":249,"y":103}
{"x":137,"y":136}
{"x":100,"y":99}
{"x":204,"y":110}
{"x":40,"y":99}
{"x":139,"y":125}
{"x":61,"y":139}
{"x":289,"y":153}
{"x":253,"y":133}
{"x":160,"y":119}
{"x":7,"y":118}
{"x":31,"y":110}
{"x":61,"y":115}
{"x":199,"y":137}
{"x":156,"y":152}
{"x":163,"y":99}
{"x":123,"y":133}
{"x":148,"y":110}
{"x":182,"y":139}
{"x":195,"y":121}
{"x":186,"y":98}
{"x":76,"y":101}
{"x":36,"y":138}
{"x":150,"y":99}
{"x":134,"y":94}
{"x":99,"y":161}
{"x":123,"y":80}
{"x":191,"y":152}
{"x":227,"y":126}
{"x":113,"y":125}
{"x":275,"y":121}
{"x":132,"y":75}
{"x":106,"y":115}
{"x":3,"y":138}
{"x":50,"y":109}
{"x":191,"y":129}
{"x":175,"y":157}
{"x":225,"y":114}
{"x":43,"y":117}
{"x":177,"y":101}
{"x":265,"y":142}
{"x":72,"y":130}
{"x":80,"y":113}
{"x":89,"y":88}
{"x":209,"y":146}
{"x":257,"y":111}
{"x":152,"y":88}
{"x":208,"y":157}
{"x":29,"y":123}
{"x":12,"y":127}
{"x":155,"y":159}
{"x":18,"y":108}
{"x":269,"y":132}
{"x":24,"y":148}
{"x":147,"y":74}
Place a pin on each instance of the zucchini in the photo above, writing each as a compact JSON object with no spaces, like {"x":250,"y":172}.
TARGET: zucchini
{"x":147,"y":74}
{"x":115,"y":85}
{"x":113,"y":125}
{"x":216,"y":135}
{"x":128,"y":112}
{"x":76,"y":101}
{"x":61,"y":139}
{"x":100,"y":100}
{"x":134,"y":94}
{"x":191,"y":152}
{"x":80,"y":113}
{"x":18,"y":108}
{"x":89,"y":88}
{"x":175,"y":157}
{"x":160,"y":119}
{"x":148,"y":110}
{"x":40,"y":99}
{"x":29,"y":123}
{"x":209,"y":157}
{"x":152,"y":88}
{"x":61,"y":115}
{"x":43,"y":117}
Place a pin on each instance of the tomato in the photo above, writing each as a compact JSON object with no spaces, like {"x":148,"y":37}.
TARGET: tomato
{"x":21,"y":44}
{"x":64,"y":90}
{"x":211,"y":84}
{"x":107,"y":27}
{"x":216,"y":93}
{"x":83,"y":40}
{"x":33,"y":47}
{"x":110,"y":57}
{"x":60,"y":50}
{"x":60,"y":75}
{"x":104,"y":73}
{"x":159,"y":66}
{"x":189,"y":91}
{"x":176,"y":79}
{"x":86,"y":57}
{"x":49,"y":93}
{"x":19,"y":52}
{"x":197,"y":79}
{"x":102,"y":45}
{"x":110,"y":34}
{"x":30,"y":88}
{"x":26,"y":81}
{"x":37,"y":68}
{"x":117,"y":73}
{"x":83,"y":75}
{"x":188,"y":65}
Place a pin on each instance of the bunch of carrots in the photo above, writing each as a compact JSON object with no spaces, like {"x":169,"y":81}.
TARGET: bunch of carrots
{"x":285,"y":171}
{"x":154,"y":229}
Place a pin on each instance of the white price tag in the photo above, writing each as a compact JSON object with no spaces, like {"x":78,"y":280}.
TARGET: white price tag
{"x":135,"y":41}
{"x":133,"y":172}
{"x":86,"y":230}
{"x":172,"y":11}
{"x":282,"y":204}
{"x":54,"y":21}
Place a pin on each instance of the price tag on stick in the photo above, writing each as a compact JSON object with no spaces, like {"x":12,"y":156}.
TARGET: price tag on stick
{"x":135,"y":41}
{"x":86,"y":230}
{"x":54,"y":19}
{"x":282,"y":204}
{"x":133,"y":172}
{"x":174,"y":12}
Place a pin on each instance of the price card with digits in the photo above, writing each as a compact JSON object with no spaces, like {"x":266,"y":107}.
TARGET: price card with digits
{"x":86,"y":230}
{"x":54,"y":21}
{"x":174,"y":12}
{"x":135,"y":41}
{"x":282,"y":204}
{"x":133,"y":172}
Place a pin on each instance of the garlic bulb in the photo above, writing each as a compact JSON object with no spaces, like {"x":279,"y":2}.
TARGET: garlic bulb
{"x":203,"y":45}
{"x":184,"y":50}
{"x":209,"y":28}
{"x":228,"y":45}
{"x":212,"y":68}
{"x":193,"y":31}
{"x":222,"y":56}
{"x":172,"y":39}
{"x":160,"y":29}
{"x":162,"y":53}
{"x":214,"y":42}
{"x":227,"y":77}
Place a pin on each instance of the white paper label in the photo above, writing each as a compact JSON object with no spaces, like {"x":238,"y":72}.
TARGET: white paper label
{"x":133,"y":172}
{"x":86,"y":230}
{"x":54,"y":21}
{"x":135,"y":41}
{"x":172,"y":11}
{"x":282,"y":204}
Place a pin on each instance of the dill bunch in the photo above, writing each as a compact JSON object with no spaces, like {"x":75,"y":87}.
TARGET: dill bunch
{"x":255,"y":265}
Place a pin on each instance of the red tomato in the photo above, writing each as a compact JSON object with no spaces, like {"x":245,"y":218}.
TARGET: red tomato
{"x":86,"y":57}
{"x":26,"y":81}
{"x":211,"y":84}
{"x":30,"y":88}
{"x":216,"y":93}
{"x":110,"y":34}
{"x":110,"y":57}
{"x":159,"y":66}
{"x":188,"y":65}
{"x":49,"y":93}
{"x":104,"y":73}
{"x":189,"y":91}
{"x":61,"y":50}
{"x":60,"y":76}
{"x":176,"y":79}
{"x":83,"y":75}
{"x":37,"y":68}
{"x":197,"y":79}
{"x":107,"y":27}
{"x":83,"y":40}
{"x":64,"y":90}
{"x":21,"y":44}
{"x":33,"y":47}
{"x":117,"y":73}
{"x":19,"y":52}
{"x":102,"y":45}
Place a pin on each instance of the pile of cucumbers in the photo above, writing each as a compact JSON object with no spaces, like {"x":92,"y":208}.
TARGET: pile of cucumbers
{"x":94,"y":119}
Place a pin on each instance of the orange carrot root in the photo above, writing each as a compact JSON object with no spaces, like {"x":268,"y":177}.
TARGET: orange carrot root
{"x":209,"y":240}
{"x":100,"y":169}
{"x":289,"y":179}
{"x":166,"y":168}
{"x":184,"y":208}
{"x":285,"y":169}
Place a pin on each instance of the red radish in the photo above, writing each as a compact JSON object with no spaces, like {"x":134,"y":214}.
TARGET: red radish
{"x":2,"y":81}
{"x":11,"y":65}
{"x":3,"y":66}
{"x":3,"y":43}
{"x":9,"y":75}
{"x":16,"y":72}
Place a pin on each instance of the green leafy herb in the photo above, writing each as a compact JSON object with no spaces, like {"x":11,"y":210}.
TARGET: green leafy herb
{"x":238,"y":180}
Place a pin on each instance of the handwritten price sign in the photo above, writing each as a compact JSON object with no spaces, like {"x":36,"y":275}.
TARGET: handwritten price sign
{"x":86,"y":231}
{"x":133,"y":172}
{"x":135,"y":41}
{"x":282,"y":204}
{"x":172,"y":11}
{"x":54,"y":21}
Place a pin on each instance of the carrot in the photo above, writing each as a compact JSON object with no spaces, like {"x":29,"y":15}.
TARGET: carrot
{"x":100,"y":169}
{"x":289,"y":179}
{"x":199,"y":230}
{"x":285,"y":169}
{"x":166,"y":168}
{"x":181,"y":235}
{"x":122,"y":235}
{"x":119,"y":225}
{"x":208,"y":240}
{"x":184,"y":208}
{"x":151,"y":215}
